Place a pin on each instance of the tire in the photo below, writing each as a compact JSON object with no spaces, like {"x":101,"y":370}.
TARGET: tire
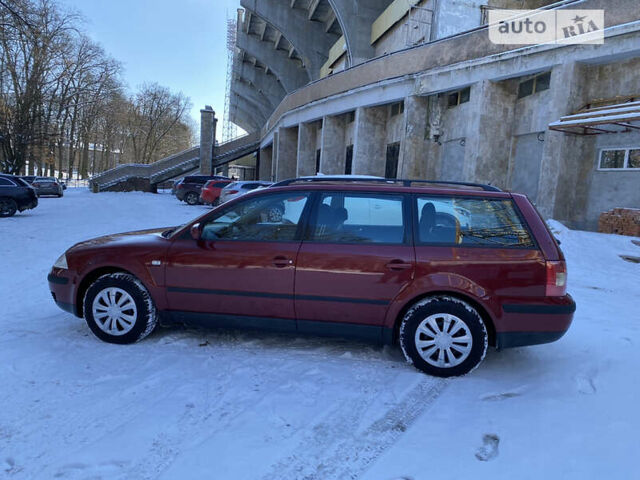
{"x":454,"y":335}
{"x":191,"y":198}
{"x":138,"y":319}
{"x":8,"y":207}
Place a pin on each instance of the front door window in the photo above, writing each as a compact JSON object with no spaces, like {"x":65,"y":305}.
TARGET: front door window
{"x":265,"y":218}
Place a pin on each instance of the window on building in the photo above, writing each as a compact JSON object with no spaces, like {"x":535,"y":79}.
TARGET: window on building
{"x":533,"y":85}
{"x":459,"y":97}
{"x":397,"y":108}
{"x":393,"y":154}
{"x":348,"y":163}
{"x":318,"y":156}
{"x":351,"y":117}
{"x":619,"y":158}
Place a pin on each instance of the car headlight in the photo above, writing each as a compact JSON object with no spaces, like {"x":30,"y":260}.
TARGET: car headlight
{"x":61,"y":262}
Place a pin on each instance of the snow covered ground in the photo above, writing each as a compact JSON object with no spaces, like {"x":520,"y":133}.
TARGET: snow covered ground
{"x":238,"y":405}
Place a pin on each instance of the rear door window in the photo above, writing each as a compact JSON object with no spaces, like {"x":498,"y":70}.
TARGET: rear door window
{"x":466,"y":221}
{"x":359,"y":218}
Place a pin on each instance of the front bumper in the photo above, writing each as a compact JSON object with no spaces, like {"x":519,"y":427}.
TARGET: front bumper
{"x":62,"y":286}
{"x":525,"y":324}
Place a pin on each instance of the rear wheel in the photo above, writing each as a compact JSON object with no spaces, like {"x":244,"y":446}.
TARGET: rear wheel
{"x":119,"y":309}
{"x":8,"y":207}
{"x":443,"y":336}
{"x":191,"y":198}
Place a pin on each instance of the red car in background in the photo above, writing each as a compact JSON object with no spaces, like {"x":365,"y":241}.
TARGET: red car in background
{"x":210,"y":194}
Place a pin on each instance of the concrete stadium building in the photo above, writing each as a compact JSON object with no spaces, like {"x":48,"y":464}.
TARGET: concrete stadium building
{"x":415,"y":89}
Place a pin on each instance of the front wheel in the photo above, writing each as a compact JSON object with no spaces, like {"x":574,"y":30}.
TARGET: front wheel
{"x":8,"y":207}
{"x":443,"y":336}
{"x":119,"y":309}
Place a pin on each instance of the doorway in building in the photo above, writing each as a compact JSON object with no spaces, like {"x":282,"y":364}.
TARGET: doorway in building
{"x":452,"y":160}
{"x":348,"y":163}
{"x":526,"y":164}
{"x":393,"y":154}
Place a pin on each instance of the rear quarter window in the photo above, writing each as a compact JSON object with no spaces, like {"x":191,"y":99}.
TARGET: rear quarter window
{"x":465,"y":221}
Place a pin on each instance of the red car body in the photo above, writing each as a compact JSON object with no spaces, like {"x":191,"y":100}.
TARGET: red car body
{"x":210,"y":193}
{"x":360,"y":290}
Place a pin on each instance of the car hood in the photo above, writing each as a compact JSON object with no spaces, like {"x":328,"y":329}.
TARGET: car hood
{"x":127,"y":239}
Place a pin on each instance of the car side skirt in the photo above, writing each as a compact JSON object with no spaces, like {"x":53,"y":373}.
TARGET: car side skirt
{"x":367,"y":333}
{"x":523,"y":339}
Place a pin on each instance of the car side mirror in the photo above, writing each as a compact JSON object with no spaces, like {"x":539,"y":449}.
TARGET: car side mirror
{"x":196,"y":231}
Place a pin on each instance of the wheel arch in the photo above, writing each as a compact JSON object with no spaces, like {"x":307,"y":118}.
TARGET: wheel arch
{"x":91,"y":277}
{"x":482,"y":311}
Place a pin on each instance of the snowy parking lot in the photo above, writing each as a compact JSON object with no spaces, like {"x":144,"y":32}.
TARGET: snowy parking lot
{"x":244,"y":405}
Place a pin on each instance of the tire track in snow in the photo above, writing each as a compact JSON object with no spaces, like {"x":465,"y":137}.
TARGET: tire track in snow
{"x":334,"y":449}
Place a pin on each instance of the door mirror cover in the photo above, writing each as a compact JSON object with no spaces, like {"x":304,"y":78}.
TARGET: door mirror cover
{"x":196,"y":231}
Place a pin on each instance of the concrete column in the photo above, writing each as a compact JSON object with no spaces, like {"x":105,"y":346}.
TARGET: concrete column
{"x":489,"y":133}
{"x":332,"y":158}
{"x":266,"y":162}
{"x":309,"y":38}
{"x":286,"y":147}
{"x":207,"y":139}
{"x":355,"y":18}
{"x":290,"y":74}
{"x":369,"y":149}
{"x":306,"y":149}
{"x":413,"y":161}
{"x":564,"y":173}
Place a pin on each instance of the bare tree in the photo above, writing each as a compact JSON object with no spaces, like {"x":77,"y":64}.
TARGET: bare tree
{"x":63,"y":105}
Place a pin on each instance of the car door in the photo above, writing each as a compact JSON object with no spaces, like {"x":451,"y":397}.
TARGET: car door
{"x":243,"y":266}
{"x":357,"y":257}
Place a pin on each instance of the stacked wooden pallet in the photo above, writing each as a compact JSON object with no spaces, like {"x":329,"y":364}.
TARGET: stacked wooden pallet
{"x":621,"y":221}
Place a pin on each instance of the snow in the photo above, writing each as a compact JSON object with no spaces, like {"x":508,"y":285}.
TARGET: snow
{"x":244,"y":405}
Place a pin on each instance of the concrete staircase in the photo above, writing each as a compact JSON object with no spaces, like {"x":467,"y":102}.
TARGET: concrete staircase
{"x":136,"y":176}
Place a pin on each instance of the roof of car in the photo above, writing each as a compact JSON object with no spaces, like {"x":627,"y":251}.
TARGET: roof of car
{"x":358,"y":183}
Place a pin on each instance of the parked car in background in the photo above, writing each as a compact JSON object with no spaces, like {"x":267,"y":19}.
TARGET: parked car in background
{"x":16,"y":195}
{"x":28,"y":178}
{"x":48,"y":186}
{"x":210,"y":194}
{"x":365,"y":258}
{"x":237,"y":189}
{"x":189,"y":188}
{"x":174,"y":186}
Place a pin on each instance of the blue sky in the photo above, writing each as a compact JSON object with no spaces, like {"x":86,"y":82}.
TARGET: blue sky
{"x":178,"y":43}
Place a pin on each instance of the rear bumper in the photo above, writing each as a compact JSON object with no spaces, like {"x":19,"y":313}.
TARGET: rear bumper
{"x":535,"y":324}
{"x":28,"y":205}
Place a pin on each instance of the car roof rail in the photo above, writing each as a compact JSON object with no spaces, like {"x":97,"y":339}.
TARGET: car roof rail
{"x":404,"y":182}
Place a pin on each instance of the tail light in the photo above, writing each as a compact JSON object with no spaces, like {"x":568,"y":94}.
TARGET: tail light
{"x":180,"y":185}
{"x":556,"y":279}
{"x":233,"y":192}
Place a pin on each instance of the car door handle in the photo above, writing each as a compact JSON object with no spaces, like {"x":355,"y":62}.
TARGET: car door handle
{"x":282,"y":262}
{"x":398,"y":265}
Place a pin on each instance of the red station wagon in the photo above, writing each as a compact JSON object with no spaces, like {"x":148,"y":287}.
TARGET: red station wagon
{"x":443,"y":269}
